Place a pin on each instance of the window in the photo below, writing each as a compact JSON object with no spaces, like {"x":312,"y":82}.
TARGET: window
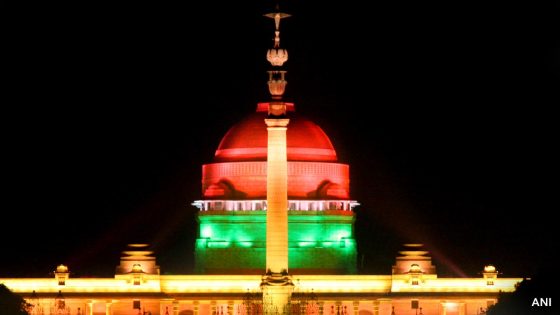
{"x":136,"y":280}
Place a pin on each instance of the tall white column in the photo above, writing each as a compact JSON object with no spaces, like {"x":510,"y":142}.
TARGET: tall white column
{"x":277,"y":287}
{"x":277,"y":197}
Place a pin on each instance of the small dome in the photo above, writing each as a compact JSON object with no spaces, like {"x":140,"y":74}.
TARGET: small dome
{"x":489,"y":268}
{"x":247,"y":140}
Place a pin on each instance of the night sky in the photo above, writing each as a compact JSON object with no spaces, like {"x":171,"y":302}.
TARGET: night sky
{"x":442,"y":109}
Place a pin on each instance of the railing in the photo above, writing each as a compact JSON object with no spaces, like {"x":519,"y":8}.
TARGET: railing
{"x":260,"y":205}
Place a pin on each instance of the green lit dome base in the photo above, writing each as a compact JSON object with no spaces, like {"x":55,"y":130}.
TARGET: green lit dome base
{"x":320,"y":242}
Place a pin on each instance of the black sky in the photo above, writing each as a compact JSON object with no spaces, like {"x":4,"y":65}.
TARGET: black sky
{"x":442,"y":109}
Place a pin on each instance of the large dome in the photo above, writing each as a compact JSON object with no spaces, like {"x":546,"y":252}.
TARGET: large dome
{"x":239,"y":167}
{"x":247,"y":140}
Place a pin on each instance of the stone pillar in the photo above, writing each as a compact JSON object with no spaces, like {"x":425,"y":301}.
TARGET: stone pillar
{"x":443,"y":308}
{"x":90,"y":307}
{"x":230,"y":307}
{"x":277,"y":196}
{"x":175,"y":307}
{"x":462,"y":308}
{"x":277,"y":286}
{"x":195,"y":307}
{"x":108,"y":307}
{"x":356,"y":305}
{"x":375,"y":307}
{"x":275,"y":298}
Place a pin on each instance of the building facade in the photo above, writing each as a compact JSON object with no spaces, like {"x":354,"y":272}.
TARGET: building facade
{"x":139,"y":288}
{"x":232,"y":216}
{"x":276,"y":236}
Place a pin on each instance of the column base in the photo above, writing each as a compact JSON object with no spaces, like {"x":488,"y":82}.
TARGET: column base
{"x":277,"y":289}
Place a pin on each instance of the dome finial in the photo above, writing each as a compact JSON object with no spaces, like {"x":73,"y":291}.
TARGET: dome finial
{"x":277,"y":57}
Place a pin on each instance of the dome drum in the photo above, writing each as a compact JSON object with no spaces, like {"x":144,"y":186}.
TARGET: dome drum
{"x":247,"y":180}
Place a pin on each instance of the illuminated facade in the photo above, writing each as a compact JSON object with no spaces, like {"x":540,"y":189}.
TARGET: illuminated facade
{"x":138,"y":288}
{"x":275,"y":236}
{"x":232,"y":216}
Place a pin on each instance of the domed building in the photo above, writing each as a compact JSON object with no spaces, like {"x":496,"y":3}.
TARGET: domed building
{"x":275,"y":236}
{"x":233,"y":212}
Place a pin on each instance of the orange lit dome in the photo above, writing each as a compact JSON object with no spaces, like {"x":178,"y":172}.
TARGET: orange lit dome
{"x":239,"y":168}
{"x":247,"y":140}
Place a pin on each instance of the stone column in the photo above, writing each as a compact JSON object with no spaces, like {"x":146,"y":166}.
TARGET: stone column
{"x":277,"y":196}
{"x":277,"y":287}
{"x":195,"y":307}
{"x":375,"y":307}
{"x":175,"y":307}
{"x":108,"y":307}
{"x":356,"y":305}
